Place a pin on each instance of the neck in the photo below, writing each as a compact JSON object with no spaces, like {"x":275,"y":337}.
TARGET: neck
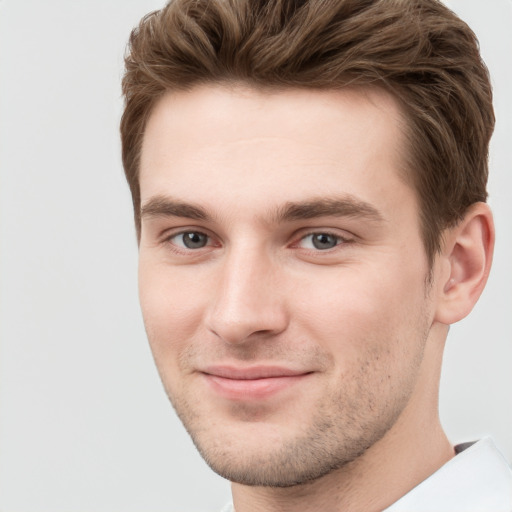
{"x":370,"y":484}
{"x":413,"y":449}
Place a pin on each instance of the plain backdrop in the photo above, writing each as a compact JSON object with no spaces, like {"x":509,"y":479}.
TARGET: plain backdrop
{"x":85,"y":425}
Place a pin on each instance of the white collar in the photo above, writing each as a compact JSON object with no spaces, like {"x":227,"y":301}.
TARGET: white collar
{"x":476,"y":480}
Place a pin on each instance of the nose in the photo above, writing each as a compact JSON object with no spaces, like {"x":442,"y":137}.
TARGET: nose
{"x":248,"y":301}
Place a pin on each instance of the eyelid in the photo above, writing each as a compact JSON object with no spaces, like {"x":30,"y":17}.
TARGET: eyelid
{"x":343,"y":237}
{"x":168,"y":235}
{"x":183,"y":244}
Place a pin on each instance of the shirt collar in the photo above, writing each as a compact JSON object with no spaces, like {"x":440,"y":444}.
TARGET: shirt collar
{"x":478,"y":479}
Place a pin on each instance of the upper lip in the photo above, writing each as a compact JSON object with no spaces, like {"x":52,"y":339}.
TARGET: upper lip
{"x":251,"y":372}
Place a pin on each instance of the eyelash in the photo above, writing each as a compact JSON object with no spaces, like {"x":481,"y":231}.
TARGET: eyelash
{"x":181,"y":248}
{"x":340,"y":240}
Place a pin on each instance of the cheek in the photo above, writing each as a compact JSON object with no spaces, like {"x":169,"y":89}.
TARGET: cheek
{"x":357,"y":311}
{"x":171,"y":308}
{"x":375,"y":332}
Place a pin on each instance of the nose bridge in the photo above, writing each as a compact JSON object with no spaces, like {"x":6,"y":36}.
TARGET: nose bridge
{"x":247,"y":299}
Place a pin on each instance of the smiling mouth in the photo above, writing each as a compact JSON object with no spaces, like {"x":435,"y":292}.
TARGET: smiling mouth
{"x":256,"y":383}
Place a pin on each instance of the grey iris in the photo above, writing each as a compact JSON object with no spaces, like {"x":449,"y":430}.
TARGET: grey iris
{"x":324,"y":241}
{"x":194,"y":240}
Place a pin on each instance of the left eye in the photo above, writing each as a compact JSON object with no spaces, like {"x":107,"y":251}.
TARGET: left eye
{"x":320,"y":241}
{"x":190,"y":240}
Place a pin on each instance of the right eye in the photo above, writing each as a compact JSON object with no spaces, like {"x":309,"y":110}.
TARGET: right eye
{"x":190,"y":240}
{"x":321,"y":241}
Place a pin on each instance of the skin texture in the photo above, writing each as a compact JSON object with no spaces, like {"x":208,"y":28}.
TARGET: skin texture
{"x":283,"y":284}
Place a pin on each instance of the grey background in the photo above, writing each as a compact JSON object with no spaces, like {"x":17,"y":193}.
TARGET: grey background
{"x":84,"y":423}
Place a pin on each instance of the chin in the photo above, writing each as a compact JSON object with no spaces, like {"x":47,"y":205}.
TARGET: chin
{"x":260,"y":460}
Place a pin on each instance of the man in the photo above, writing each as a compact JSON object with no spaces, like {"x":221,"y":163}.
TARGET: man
{"x":308,"y":181}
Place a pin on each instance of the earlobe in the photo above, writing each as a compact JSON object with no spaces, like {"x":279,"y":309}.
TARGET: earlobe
{"x":467,"y":251}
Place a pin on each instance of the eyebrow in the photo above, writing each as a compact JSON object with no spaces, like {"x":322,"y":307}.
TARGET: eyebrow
{"x":345,"y":206}
{"x":161,"y":206}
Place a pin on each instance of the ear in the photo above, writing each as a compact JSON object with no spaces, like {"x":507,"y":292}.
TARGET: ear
{"x":466,"y":261}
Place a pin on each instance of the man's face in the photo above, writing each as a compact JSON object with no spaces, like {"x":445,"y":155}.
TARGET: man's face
{"x":282,"y":276}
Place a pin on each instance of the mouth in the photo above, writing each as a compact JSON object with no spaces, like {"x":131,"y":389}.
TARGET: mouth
{"x":251,"y":383}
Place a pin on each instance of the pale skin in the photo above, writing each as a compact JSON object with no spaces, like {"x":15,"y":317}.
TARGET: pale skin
{"x":283,"y":283}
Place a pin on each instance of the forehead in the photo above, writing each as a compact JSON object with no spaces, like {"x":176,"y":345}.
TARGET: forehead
{"x":217,"y":141}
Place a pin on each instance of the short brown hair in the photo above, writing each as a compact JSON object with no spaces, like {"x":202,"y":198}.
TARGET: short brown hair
{"x":417,"y":50}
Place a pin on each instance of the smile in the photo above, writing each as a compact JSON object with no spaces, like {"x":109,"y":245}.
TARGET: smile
{"x":255,"y":383}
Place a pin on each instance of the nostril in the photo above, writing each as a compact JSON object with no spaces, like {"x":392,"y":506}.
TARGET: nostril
{"x":243,"y":327}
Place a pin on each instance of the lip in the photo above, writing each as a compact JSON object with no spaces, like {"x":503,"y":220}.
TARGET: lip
{"x":251,"y":383}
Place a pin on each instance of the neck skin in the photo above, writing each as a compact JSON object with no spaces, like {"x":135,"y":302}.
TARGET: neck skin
{"x":413,"y":449}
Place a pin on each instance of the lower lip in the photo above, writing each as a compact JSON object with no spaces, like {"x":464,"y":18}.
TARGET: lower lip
{"x":251,"y":389}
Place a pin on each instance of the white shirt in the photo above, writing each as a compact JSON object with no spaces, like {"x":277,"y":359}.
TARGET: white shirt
{"x":477,"y":480}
